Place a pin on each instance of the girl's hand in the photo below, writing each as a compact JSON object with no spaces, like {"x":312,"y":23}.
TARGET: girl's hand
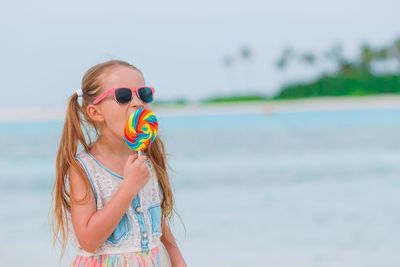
{"x":136,"y":171}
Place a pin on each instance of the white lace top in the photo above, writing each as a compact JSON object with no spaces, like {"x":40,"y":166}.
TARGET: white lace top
{"x":139,"y":229}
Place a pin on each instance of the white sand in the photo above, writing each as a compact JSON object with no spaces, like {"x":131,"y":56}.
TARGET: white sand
{"x":278,"y":106}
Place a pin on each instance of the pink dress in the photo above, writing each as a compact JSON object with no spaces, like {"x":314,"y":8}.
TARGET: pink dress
{"x":157,"y":257}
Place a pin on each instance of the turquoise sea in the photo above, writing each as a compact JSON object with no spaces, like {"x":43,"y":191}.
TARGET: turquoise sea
{"x":289,"y":189}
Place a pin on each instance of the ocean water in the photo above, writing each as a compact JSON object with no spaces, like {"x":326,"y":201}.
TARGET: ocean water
{"x":290,"y":189}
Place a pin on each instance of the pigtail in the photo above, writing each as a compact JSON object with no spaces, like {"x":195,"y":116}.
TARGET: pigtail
{"x":158,"y":157}
{"x":72,"y":134}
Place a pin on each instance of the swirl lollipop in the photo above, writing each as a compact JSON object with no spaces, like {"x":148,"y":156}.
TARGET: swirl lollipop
{"x":140,"y":130}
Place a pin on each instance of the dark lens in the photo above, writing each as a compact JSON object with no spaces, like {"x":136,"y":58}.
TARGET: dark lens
{"x":123,"y":95}
{"x":145,"y":94}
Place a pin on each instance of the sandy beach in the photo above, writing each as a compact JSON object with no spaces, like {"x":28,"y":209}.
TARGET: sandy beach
{"x":195,"y":109}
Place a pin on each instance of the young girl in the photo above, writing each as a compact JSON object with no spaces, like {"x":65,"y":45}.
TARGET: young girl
{"x":111,"y":204}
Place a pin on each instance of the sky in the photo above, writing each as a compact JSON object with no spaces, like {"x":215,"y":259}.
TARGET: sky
{"x":47,"y":46}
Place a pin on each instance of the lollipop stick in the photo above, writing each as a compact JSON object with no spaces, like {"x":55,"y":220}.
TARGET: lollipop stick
{"x":147,"y":161}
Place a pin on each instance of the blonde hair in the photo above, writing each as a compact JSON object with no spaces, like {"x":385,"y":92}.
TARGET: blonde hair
{"x":76,"y":118}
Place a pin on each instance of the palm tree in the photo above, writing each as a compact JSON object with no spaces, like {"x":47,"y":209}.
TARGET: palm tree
{"x":308,"y":58}
{"x":283,"y":60}
{"x":335,"y":53}
{"x":228,"y":61}
{"x":246,"y":56}
{"x":381,"y":55}
{"x":367,"y":56}
{"x":395,"y":51}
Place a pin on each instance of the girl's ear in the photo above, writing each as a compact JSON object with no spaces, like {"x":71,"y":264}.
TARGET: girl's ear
{"x":94,"y":113}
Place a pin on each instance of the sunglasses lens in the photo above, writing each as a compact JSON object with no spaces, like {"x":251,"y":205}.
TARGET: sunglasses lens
{"x":123,"y":95}
{"x":146,"y":94}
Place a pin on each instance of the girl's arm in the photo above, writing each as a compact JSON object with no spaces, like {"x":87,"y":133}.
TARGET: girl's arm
{"x":172,"y":249}
{"x":92,"y":228}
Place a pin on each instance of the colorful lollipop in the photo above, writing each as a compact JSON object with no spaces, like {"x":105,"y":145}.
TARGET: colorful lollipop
{"x":141,"y":129}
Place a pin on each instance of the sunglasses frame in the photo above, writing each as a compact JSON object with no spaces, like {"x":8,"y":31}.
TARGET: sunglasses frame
{"x":112,"y":91}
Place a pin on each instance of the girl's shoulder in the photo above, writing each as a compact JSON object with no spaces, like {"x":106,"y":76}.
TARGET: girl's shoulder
{"x":84,"y":159}
{"x":83,"y":154}
{"x":87,"y":160}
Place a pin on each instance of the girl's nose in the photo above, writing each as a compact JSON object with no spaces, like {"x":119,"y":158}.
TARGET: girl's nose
{"x":136,"y":102}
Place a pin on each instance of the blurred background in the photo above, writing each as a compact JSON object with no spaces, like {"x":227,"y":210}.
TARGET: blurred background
{"x":282,"y":121}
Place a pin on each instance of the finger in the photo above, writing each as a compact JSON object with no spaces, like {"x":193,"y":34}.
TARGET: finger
{"x":132,"y":158}
{"x":142,"y":158}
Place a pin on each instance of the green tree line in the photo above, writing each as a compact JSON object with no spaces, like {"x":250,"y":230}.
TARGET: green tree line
{"x":359,"y":76}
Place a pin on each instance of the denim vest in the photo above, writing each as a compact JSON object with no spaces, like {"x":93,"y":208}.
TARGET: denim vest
{"x":140,"y":227}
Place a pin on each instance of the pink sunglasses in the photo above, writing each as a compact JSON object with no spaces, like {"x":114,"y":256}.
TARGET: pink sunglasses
{"x":123,"y":95}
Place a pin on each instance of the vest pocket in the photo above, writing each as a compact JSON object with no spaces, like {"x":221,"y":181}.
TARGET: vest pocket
{"x":155,"y":218}
{"x":122,"y":230}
